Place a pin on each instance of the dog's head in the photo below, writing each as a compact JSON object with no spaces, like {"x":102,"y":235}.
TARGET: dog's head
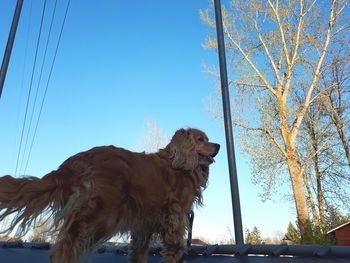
{"x":190,"y":148}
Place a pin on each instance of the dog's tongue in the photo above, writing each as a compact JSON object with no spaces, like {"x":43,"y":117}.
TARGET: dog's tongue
{"x":211,"y":159}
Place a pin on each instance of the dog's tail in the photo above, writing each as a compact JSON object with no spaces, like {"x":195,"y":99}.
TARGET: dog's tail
{"x":29,"y":198}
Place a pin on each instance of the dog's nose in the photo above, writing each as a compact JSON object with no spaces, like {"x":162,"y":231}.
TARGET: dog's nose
{"x":217,"y":148}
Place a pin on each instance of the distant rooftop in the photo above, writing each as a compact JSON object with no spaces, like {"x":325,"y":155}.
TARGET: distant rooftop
{"x":338,"y":227}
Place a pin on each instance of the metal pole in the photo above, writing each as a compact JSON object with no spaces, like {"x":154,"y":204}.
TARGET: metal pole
{"x":236,"y":206}
{"x":9,"y":45}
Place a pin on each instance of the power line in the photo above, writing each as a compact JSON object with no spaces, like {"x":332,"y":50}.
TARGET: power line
{"x":48,"y":81}
{"x":29,"y":21}
{"x":30,"y":87}
{"x":39,"y":82}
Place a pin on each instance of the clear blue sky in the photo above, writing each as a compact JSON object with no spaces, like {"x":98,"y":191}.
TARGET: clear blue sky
{"x":119,"y":64}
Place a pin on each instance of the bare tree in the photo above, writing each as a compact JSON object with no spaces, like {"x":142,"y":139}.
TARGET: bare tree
{"x":154,"y":138}
{"x":323,"y":135}
{"x":336,"y":103}
{"x":279,"y":49}
{"x":42,"y":232}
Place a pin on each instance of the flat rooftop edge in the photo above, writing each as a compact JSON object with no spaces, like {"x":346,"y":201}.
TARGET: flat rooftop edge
{"x":208,"y":250}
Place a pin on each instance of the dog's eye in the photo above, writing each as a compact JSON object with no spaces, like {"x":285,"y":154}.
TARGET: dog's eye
{"x":200,"y":139}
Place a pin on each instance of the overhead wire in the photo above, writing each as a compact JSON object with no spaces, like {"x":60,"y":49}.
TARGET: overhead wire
{"x":38,"y":85}
{"x":30,"y":87}
{"x":48,"y":81}
{"x":25,"y":61}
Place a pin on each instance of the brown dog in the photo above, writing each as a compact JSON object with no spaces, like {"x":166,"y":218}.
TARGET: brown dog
{"x":107,"y":190}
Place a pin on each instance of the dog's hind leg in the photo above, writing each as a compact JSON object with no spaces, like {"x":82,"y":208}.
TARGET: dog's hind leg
{"x":77,"y":236}
{"x":138,"y":248}
{"x":72,"y":244}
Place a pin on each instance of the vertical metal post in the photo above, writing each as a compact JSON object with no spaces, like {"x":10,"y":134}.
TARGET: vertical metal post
{"x":9,"y":45}
{"x":236,"y":206}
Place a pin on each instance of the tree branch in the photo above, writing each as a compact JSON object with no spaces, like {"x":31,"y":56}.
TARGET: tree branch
{"x":321,"y":147}
{"x":272,"y":62}
{"x":322,"y":91}
{"x":295,"y":52}
{"x":310,"y":7}
{"x":245,"y":55}
{"x":233,"y":82}
{"x":316,"y":74}
{"x":280,"y":27}
{"x":268,"y":132}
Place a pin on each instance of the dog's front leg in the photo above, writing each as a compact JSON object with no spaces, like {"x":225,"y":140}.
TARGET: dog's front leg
{"x":173,"y":232}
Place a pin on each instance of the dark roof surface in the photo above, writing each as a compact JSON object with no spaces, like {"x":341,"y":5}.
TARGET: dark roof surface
{"x":39,"y":253}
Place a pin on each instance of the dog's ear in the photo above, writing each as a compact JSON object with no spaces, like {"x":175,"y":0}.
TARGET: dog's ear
{"x":183,"y":150}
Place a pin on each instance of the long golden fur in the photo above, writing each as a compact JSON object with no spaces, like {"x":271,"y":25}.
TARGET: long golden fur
{"x":107,"y":190}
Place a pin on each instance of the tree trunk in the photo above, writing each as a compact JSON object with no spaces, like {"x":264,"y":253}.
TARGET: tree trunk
{"x":295,"y":173}
{"x":300,"y":201}
{"x":315,"y":143}
{"x":343,"y":139}
{"x":319,"y":192}
{"x":337,"y":120}
{"x":311,"y":200}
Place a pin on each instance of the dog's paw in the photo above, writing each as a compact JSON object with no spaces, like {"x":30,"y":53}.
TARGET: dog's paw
{"x":182,"y":260}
